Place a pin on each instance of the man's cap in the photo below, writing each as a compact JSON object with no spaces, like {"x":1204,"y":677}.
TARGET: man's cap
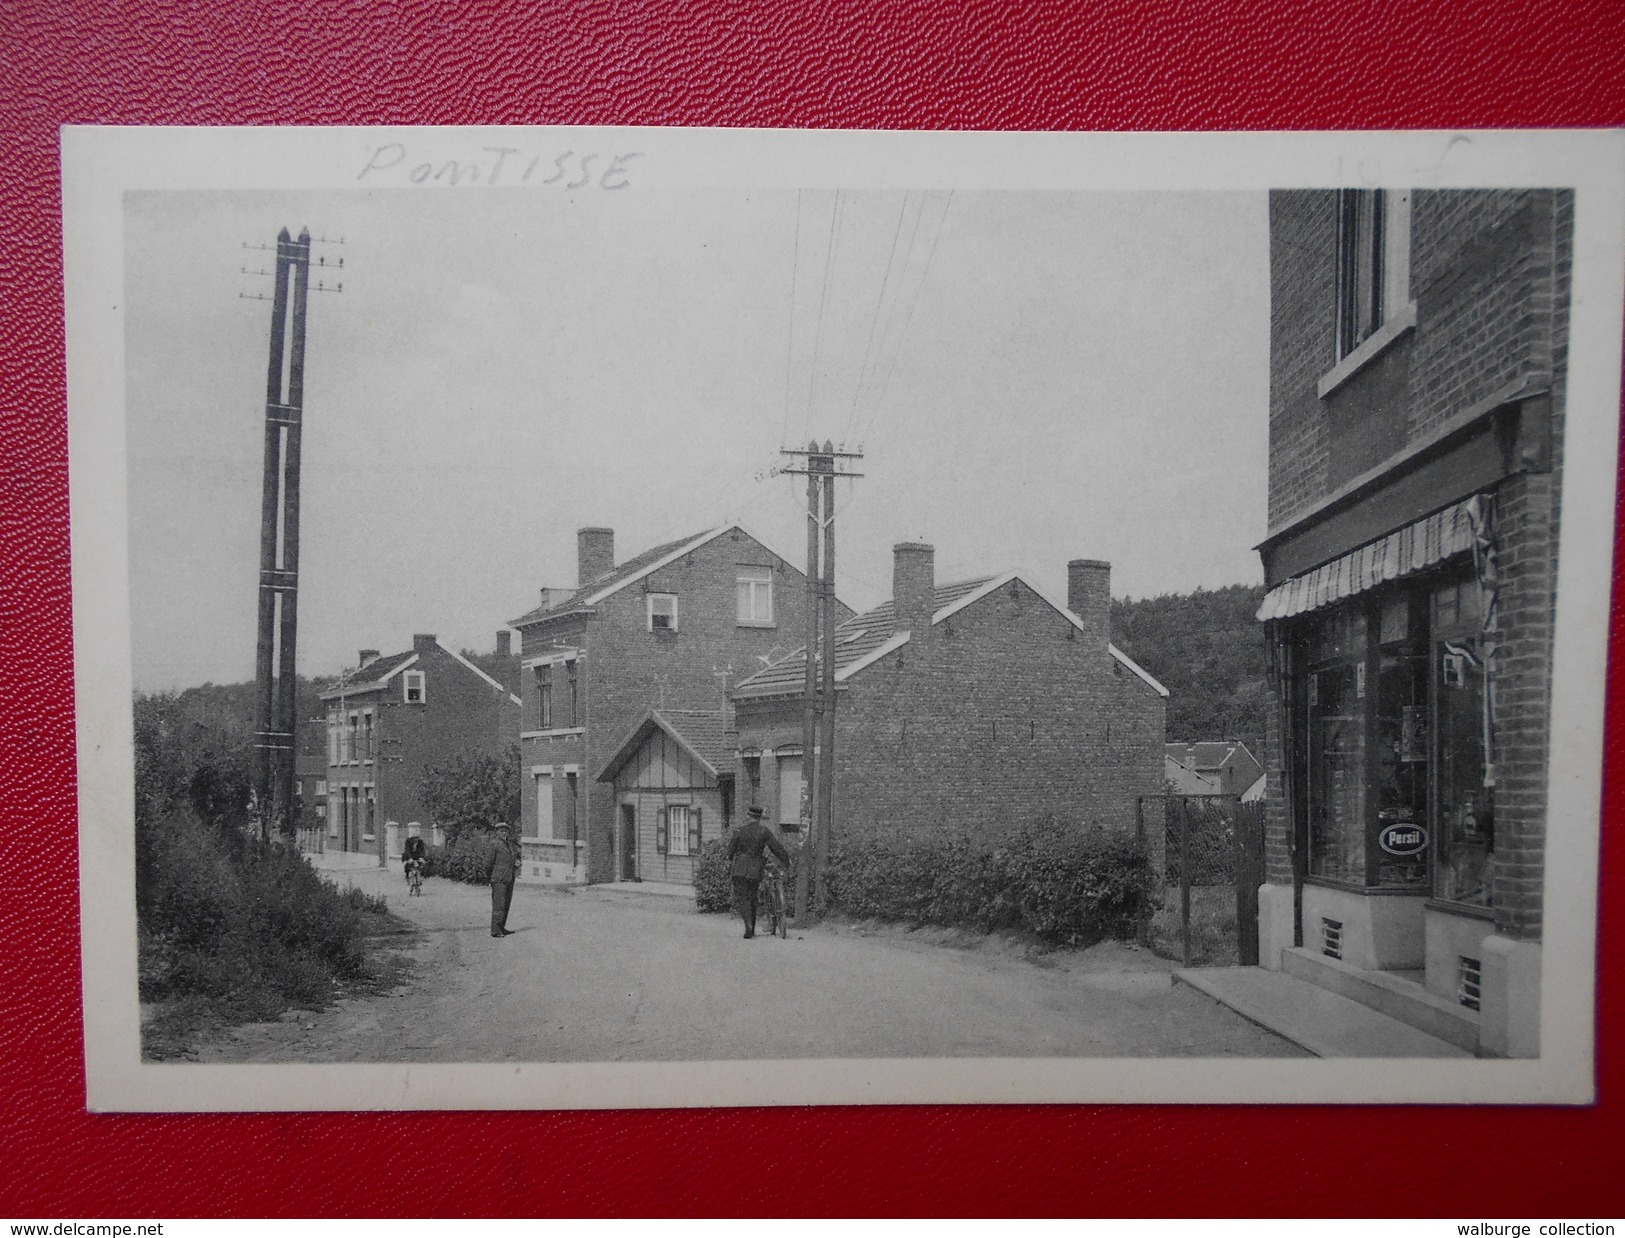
{"x":758,"y":813}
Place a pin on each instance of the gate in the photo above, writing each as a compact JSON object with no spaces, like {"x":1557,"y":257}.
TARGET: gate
{"x":1209,"y":852}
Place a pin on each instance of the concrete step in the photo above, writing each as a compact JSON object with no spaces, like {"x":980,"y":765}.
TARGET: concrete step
{"x":664,"y":889}
{"x":1314,"y":1018}
{"x":1394,"y":996}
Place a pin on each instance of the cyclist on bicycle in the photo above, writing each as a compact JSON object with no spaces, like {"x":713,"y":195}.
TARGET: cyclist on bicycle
{"x":414,"y":858}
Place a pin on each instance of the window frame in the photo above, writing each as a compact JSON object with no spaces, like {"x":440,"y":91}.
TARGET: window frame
{"x":539,"y":778}
{"x":416,"y":678}
{"x":1388,"y":258}
{"x":649,"y":611}
{"x":673,"y":834}
{"x":544,"y":698}
{"x":753,"y":582}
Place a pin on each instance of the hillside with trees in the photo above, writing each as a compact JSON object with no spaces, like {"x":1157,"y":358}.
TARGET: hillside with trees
{"x":1208,"y":650}
{"x":229,"y":708}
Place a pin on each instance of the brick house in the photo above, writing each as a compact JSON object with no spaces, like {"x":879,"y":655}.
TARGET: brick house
{"x":668,"y":630}
{"x":1213,"y":767}
{"x":965,"y":706}
{"x":1418,"y":347}
{"x":397,"y":716}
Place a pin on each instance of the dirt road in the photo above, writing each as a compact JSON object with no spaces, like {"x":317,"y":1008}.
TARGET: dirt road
{"x":599,"y":975}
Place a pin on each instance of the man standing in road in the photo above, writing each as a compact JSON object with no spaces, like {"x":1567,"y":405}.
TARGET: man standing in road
{"x":504,"y":867}
{"x":745,"y":855}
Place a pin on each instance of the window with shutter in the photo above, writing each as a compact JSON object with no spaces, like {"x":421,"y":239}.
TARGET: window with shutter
{"x":660,"y":832}
{"x":694,"y":832}
{"x":678,"y":829}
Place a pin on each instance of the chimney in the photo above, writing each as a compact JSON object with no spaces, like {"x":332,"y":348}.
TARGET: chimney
{"x":423,"y":643}
{"x":504,"y":643}
{"x":595,"y":553}
{"x":913,"y":587}
{"x":367,"y":655}
{"x":1089,"y":597}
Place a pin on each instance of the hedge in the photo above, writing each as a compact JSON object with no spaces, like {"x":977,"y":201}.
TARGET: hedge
{"x":1067,"y":884}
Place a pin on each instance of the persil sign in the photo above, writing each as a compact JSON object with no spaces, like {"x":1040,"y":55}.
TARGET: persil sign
{"x":1403,"y":838}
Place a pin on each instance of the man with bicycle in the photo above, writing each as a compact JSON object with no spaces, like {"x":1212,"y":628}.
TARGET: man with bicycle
{"x":745,"y":850}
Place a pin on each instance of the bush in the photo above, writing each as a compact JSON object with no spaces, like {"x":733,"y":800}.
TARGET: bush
{"x":1066,"y":884}
{"x":250,"y":926}
{"x":713,"y":881}
{"x":465,"y":858}
{"x":473,"y":793}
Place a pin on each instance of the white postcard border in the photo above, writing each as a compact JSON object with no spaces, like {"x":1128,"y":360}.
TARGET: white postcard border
{"x":101,"y":164}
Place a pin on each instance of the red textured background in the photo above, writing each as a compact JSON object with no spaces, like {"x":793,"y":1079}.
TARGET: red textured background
{"x":1171,"y":64}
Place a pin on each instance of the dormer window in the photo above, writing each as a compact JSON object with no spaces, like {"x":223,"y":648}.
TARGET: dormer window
{"x":662,"y":612}
{"x":413,"y":690}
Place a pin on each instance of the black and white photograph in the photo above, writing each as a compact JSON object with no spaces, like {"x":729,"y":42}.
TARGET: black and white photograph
{"x":604,"y":618}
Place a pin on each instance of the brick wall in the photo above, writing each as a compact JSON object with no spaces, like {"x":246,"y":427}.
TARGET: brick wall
{"x":1481,"y":278}
{"x":1001,"y":716}
{"x":1303,"y":325}
{"x":462,"y":715}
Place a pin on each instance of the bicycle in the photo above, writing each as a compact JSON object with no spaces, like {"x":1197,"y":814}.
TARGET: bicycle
{"x":414,"y":877}
{"x":774,"y":903}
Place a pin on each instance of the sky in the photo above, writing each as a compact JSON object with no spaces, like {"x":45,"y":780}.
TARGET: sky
{"x":1032,"y":377}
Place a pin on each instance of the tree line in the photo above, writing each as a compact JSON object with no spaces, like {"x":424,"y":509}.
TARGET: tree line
{"x":1207,"y":648}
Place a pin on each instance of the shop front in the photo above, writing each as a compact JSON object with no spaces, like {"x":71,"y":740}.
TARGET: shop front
{"x":1385,"y":661}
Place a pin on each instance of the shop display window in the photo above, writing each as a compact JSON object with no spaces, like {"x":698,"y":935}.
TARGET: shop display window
{"x":1466,"y":791}
{"x":1401,"y":743}
{"x":1395,"y":723}
{"x":1336,"y":746}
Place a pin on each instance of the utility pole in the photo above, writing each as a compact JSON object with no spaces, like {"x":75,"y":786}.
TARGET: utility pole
{"x":276,"y":685}
{"x":818,"y":705}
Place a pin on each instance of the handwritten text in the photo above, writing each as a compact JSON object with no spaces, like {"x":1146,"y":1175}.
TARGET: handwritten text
{"x":391,"y":163}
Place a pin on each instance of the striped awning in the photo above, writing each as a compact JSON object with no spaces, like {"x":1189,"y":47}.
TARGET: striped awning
{"x":1414,"y":548}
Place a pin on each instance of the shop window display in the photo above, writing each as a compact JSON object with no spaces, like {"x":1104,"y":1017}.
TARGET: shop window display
{"x":1336,"y":735}
{"x":1396,"y":723}
{"x":1466,"y":806}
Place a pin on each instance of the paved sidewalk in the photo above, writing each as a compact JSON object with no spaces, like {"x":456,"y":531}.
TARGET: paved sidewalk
{"x":1327,"y":1024}
{"x":600,"y":974}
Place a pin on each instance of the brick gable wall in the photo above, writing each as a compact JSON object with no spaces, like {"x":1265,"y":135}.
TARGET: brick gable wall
{"x":1000,"y":717}
{"x":462,"y":715}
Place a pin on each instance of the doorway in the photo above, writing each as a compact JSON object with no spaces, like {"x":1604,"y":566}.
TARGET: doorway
{"x":629,"y":843}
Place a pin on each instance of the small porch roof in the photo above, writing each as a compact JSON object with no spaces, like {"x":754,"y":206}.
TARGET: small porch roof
{"x":705,"y":735}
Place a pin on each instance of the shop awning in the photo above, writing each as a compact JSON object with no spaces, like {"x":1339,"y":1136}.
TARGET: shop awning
{"x":1415,"y":548}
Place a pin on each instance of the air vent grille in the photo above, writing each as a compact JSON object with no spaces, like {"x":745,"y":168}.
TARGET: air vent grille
{"x":1469,"y":981}
{"x":1331,"y":938}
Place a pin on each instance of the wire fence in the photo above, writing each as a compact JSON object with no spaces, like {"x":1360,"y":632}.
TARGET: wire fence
{"x":1209,"y":852}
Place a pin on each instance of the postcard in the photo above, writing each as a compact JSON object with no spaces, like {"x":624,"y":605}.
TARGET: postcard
{"x":584,"y":618}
